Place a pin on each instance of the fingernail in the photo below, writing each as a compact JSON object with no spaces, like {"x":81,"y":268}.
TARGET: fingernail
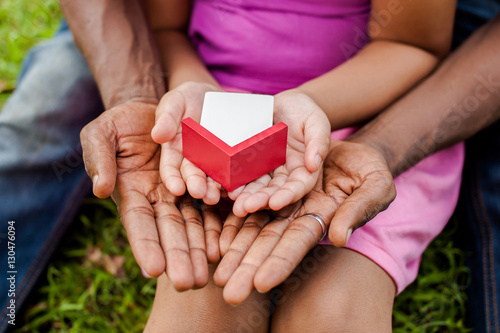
{"x":94,"y":182}
{"x":349,"y":232}
{"x":145,"y":274}
{"x":318,"y":161}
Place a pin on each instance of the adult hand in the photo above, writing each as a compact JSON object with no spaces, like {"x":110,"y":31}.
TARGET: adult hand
{"x":177,"y":172}
{"x":123,"y":161}
{"x":307,"y":146}
{"x":356,"y":185}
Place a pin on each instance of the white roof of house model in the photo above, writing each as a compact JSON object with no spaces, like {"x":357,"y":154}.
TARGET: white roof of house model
{"x":235,"y":117}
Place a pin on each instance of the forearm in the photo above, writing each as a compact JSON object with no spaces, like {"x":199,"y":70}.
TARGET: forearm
{"x":117,"y":43}
{"x":402,"y":51}
{"x":180,"y":60}
{"x":458,"y":100}
{"x":363,"y":86}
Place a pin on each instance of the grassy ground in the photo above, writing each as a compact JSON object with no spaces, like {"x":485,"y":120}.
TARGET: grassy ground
{"x":92,"y":284}
{"x":22,"y":24}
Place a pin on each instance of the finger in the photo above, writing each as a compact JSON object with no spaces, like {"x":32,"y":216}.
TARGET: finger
{"x":170,"y":164}
{"x":360,"y":207}
{"x":230,"y":229}
{"x":299,"y":238}
{"x":174,"y":242}
{"x":138,"y":219}
{"x":213,"y":226}
{"x":196,"y":240}
{"x":317,"y":140}
{"x":169,"y":115}
{"x":240,"y":284}
{"x":195,"y":179}
{"x":99,"y":156}
{"x":239,"y":247}
{"x":238,"y":206}
{"x":233,"y":195}
{"x":297,"y":185}
{"x":212,"y":196}
{"x":259,"y":200}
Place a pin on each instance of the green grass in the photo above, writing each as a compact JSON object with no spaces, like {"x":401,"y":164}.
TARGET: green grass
{"x":436,"y":301}
{"x":92,"y":284}
{"x":23,"y":23}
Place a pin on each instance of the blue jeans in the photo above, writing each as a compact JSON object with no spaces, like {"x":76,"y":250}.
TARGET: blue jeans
{"x":42,"y":176}
{"x":481,"y":199}
{"x":470,"y":15}
{"x":479,"y":206}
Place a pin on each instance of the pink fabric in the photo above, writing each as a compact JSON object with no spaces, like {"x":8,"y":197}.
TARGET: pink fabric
{"x":266,"y":46}
{"x":426,"y":197}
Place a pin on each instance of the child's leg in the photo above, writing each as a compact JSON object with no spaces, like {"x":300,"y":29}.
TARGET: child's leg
{"x":204,"y":310}
{"x":335,"y":290}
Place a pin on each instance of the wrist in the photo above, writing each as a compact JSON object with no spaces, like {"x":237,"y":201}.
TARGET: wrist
{"x":148,"y":89}
{"x":177,"y":79}
{"x":148,"y":100}
{"x":295,"y":91}
{"x":295,"y":94}
{"x":388,"y":152}
{"x":139,"y":108}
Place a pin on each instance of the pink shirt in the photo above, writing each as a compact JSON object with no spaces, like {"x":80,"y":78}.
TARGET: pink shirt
{"x":267,"y":46}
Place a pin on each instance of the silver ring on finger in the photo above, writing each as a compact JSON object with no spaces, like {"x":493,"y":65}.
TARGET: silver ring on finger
{"x":321,"y":223}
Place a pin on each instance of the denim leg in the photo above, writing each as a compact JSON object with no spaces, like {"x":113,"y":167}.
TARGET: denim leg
{"x":481,"y":201}
{"x":42,"y":176}
{"x":470,"y":15}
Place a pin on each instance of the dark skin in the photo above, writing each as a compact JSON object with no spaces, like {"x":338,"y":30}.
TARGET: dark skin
{"x":422,"y":122}
{"x":262,"y":254}
{"x":461,"y":98}
{"x":348,"y":196}
{"x":127,"y":65}
{"x":120,"y":156}
{"x":412,"y":119}
{"x":379,"y":72}
{"x":122,"y":159}
{"x":341,"y":199}
{"x":111,"y":145}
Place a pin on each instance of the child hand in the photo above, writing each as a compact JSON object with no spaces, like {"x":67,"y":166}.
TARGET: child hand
{"x":307,"y":146}
{"x":177,"y":173}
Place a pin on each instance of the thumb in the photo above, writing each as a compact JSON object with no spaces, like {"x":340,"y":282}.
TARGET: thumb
{"x":317,"y":140}
{"x":99,"y":156}
{"x":169,"y":115}
{"x":360,"y":207}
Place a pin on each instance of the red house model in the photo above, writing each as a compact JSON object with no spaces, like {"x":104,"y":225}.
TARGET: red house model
{"x":236,"y":141}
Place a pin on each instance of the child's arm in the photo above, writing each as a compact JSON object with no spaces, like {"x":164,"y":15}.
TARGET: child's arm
{"x":407,"y":41}
{"x":169,"y":21}
{"x":405,"y":46}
